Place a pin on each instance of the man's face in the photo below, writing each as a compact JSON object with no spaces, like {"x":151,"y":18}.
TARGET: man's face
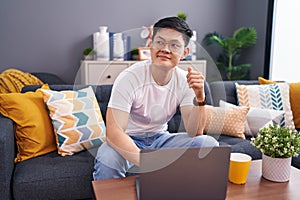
{"x":167,"y":48}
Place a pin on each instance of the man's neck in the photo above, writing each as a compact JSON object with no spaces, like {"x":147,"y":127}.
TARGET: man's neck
{"x":161,"y":75}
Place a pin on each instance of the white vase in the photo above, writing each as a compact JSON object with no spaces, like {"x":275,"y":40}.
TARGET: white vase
{"x":276,"y":169}
{"x":103,"y":44}
{"x":89,"y":57}
{"x":118,"y":50}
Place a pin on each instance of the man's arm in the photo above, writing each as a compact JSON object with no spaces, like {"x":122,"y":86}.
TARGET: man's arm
{"x":194,"y":117}
{"x":116,"y":123}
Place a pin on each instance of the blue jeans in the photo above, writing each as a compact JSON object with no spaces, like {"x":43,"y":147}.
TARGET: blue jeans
{"x":110,"y":164}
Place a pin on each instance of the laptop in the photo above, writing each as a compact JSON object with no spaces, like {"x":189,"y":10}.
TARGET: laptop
{"x":181,"y":173}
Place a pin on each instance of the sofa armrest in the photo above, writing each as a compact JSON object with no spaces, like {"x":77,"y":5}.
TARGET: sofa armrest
{"x":7,"y":152}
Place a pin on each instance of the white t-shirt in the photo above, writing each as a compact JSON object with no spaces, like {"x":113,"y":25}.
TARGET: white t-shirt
{"x":149,"y":105}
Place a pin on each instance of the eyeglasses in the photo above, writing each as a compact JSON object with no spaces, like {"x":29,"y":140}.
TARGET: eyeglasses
{"x":174,"y":47}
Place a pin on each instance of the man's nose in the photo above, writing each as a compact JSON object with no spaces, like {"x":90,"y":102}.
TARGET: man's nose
{"x":166,"y":49}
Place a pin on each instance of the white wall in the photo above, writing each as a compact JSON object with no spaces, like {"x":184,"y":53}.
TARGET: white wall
{"x":50,"y":35}
{"x":285,"y":41}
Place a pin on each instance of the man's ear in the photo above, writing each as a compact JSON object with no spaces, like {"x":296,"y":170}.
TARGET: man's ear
{"x":185,"y":52}
{"x":149,"y":42}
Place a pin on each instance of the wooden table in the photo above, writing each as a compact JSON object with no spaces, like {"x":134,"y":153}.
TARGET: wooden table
{"x":256,"y":187}
{"x":259,"y":188}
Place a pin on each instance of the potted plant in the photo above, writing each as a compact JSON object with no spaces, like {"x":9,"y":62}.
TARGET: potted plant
{"x":231,"y":50}
{"x":278,"y":145}
{"x":88,"y":54}
{"x":182,"y":15}
{"x":134,"y":54}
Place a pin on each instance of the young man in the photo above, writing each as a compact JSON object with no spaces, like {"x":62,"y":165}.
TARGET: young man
{"x":145,"y":97}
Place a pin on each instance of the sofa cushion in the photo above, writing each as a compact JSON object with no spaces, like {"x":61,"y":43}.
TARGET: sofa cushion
{"x":226,"y":121}
{"x":55,"y":177}
{"x":273,"y":96}
{"x":76,"y":118}
{"x":294,"y":98}
{"x":33,"y":129}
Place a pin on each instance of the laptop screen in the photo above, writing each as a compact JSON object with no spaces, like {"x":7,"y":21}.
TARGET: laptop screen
{"x":181,"y":173}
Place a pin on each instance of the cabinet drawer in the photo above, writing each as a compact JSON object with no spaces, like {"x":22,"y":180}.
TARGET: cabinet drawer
{"x":105,"y":72}
{"x":104,"y":75}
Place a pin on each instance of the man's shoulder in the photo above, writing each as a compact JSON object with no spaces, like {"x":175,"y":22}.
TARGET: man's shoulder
{"x":140,"y":65}
{"x":135,"y":72}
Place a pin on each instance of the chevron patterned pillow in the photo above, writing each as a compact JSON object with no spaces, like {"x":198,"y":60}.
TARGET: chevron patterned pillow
{"x":272,"y":96}
{"x":76,"y":118}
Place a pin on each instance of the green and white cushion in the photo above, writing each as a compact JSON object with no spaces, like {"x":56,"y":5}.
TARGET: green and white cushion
{"x":272,"y":96}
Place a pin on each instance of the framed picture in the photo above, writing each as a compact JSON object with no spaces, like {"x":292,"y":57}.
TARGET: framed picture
{"x":144,"y":53}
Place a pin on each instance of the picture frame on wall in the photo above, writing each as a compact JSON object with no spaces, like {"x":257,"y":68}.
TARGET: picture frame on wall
{"x":144,"y":53}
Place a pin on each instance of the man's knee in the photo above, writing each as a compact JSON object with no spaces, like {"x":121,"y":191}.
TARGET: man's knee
{"x":109,"y":163}
{"x":205,"y":141}
{"x":109,"y":156}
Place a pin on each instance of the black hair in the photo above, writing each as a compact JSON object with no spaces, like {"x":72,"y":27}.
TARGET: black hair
{"x":175,"y":23}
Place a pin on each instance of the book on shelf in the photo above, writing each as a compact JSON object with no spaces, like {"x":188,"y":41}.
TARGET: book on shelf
{"x":127,"y":47}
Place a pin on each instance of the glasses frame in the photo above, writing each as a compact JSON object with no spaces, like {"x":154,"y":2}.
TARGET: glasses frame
{"x":164,"y":44}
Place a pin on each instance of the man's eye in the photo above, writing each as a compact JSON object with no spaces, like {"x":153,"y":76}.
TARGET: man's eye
{"x":177,"y":46}
{"x":160,"y":42}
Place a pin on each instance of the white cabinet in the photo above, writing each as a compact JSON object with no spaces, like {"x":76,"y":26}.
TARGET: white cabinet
{"x":105,"y":72}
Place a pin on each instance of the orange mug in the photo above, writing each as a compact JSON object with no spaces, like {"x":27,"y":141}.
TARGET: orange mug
{"x":239,"y":167}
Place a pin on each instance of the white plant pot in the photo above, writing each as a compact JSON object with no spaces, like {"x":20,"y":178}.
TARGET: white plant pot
{"x":89,"y":57}
{"x":276,"y":169}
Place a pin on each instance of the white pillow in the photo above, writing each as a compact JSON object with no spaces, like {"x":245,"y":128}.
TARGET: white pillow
{"x":258,"y":118}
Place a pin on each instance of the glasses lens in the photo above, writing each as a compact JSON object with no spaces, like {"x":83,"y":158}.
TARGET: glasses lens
{"x":159,"y":44}
{"x":175,"y":47}
{"x":172,"y":46}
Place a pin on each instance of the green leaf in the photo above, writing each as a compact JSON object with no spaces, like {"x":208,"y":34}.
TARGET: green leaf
{"x":214,"y":37}
{"x":231,"y":49}
{"x":245,"y":37}
{"x":277,"y":142}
